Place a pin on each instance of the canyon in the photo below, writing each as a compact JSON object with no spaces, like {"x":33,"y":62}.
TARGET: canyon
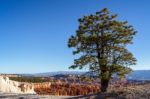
{"x":9,"y":86}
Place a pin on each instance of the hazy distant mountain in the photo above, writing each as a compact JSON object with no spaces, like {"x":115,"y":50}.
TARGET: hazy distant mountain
{"x":47,"y":74}
{"x":135,"y":75}
{"x":139,"y":75}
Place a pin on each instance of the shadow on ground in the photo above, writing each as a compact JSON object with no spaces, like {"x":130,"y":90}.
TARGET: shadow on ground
{"x":99,"y":96}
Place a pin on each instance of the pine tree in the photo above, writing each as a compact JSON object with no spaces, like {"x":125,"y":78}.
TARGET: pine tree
{"x":101,"y":41}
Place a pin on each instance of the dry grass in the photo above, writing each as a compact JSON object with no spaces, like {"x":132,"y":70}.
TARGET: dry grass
{"x":135,"y":92}
{"x":129,"y":92}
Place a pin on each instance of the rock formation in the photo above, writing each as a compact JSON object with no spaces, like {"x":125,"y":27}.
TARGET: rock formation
{"x":9,"y":86}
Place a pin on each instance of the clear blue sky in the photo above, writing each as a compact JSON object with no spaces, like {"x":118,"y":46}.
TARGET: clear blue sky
{"x":34,"y":33}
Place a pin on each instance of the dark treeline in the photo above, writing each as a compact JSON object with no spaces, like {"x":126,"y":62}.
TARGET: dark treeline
{"x":30,"y":79}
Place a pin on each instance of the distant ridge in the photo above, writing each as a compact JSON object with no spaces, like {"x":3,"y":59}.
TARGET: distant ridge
{"x":135,"y":75}
{"x":61,"y":72}
{"x":139,"y":75}
{"x":47,"y":74}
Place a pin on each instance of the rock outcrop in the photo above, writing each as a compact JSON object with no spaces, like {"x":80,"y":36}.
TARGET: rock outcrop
{"x":42,"y":85}
{"x":65,"y":89}
{"x":9,"y":86}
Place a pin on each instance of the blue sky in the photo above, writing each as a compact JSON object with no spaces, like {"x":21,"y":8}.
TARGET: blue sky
{"x":34,"y":33}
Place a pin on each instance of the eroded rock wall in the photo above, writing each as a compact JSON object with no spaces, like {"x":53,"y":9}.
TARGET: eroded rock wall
{"x":9,"y":86}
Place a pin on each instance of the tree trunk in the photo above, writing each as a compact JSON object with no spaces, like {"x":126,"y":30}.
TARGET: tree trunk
{"x":104,"y":84}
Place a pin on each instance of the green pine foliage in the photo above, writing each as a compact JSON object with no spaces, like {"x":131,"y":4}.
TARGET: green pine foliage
{"x":101,"y":41}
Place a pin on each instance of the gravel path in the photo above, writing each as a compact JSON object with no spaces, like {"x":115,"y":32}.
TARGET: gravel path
{"x":30,"y":96}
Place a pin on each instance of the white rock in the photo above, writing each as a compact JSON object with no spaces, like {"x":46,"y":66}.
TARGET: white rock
{"x":9,"y":86}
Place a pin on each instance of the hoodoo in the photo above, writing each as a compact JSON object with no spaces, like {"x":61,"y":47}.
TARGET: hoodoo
{"x":9,"y":86}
